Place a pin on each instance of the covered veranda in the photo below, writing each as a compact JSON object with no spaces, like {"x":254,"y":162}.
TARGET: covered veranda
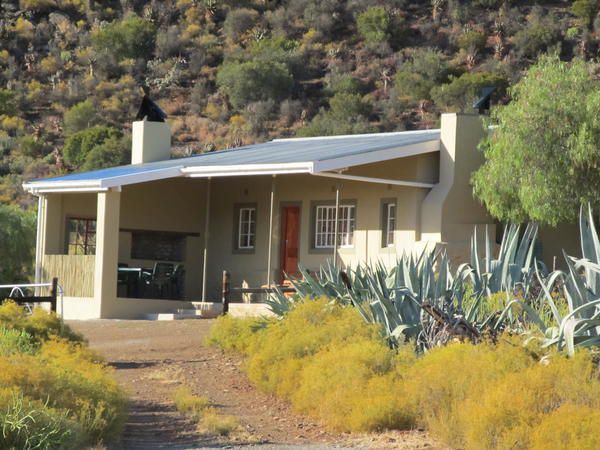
{"x":184,"y":213}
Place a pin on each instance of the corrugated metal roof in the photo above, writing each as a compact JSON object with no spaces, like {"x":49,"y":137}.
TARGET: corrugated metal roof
{"x":279,"y":151}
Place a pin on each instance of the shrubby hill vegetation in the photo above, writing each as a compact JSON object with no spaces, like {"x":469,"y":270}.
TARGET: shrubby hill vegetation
{"x":55,"y":393}
{"x":230,"y":72}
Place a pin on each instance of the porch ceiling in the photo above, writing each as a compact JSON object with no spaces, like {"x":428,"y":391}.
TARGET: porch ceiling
{"x":280,"y":156}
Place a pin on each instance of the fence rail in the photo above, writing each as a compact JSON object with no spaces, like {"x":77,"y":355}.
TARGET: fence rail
{"x":20,"y":295}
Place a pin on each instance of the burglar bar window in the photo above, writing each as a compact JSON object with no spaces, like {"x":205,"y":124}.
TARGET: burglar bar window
{"x":246,"y":228}
{"x":325,"y":226}
{"x":81,"y":237}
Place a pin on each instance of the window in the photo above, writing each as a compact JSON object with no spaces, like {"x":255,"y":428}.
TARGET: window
{"x":246,"y":228}
{"x":325,"y":226}
{"x":388,"y":224}
{"x":81,"y":237}
{"x":158,"y":245}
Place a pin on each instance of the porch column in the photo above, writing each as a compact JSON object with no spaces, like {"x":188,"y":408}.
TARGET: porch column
{"x":107,"y":251}
{"x":335,"y":226}
{"x":271,"y":231}
{"x":206,"y":228}
{"x":38,"y":241}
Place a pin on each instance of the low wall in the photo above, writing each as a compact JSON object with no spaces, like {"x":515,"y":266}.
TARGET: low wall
{"x":136,"y":308}
{"x":78,"y":308}
{"x":249,"y":310}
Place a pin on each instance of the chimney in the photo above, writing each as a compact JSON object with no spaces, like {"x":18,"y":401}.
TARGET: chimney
{"x":151,"y":141}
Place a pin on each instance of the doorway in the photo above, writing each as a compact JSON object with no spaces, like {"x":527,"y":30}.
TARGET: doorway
{"x":290,"y":229}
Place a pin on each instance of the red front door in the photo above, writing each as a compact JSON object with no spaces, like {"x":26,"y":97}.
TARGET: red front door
{"x":290,"y":226}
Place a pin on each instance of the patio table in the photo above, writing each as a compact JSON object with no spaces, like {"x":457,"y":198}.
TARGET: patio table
{"x":134,"y":275}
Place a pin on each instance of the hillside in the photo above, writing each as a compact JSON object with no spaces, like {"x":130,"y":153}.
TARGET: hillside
{"x":234,"y":72}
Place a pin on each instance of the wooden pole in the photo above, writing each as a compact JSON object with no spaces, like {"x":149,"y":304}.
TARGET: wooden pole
{"x":53,"y":294}
{"x":272,"y":205}
{"x":206,"y":230}
{"x":335,"y":226}
{"x":225,"y":292}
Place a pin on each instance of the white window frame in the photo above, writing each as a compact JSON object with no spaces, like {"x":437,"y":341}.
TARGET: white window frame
{"x":246,"y":238}
{"x":389,"y":238}
{"x":325,"y":226}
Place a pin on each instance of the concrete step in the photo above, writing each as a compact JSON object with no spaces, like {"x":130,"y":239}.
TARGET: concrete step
{"x":176,"y":315}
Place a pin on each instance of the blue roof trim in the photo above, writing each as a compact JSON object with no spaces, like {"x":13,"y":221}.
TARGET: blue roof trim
{"x":279,"y":151}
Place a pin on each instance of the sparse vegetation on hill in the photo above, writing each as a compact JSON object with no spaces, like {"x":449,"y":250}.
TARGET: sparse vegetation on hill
{"x":229,"y":73}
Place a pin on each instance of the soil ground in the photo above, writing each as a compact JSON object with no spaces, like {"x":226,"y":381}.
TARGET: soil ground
{"x":152,"y":359}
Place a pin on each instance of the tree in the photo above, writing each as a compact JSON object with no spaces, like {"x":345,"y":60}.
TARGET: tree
{"x":85,"y":148}
{"x":7,"y":102}
{"x":130,"y":38}
{"x":79,"y":117}
{"x":459,"y":94}
{"x":114,"y":151}
{"x":238,"y":22}
{"x":586,"y":10}
{"x":17,"y":244}
{"x":348,"y":114}
{"x":419,"y":75}
{"x":374,"y":25}
{"x":543,"y":160}
{"x":252,"y":81}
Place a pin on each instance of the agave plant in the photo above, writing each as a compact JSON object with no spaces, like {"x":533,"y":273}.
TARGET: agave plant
{"x":580,"y":285}
{"x":512,"y":270}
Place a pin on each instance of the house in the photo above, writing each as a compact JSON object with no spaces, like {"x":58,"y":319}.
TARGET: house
{"x":257,"y":211}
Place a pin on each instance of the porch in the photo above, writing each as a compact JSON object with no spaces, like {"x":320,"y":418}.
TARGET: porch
{"x":255,"y":227}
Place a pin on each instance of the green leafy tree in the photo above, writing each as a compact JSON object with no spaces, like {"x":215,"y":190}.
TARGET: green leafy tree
{"x":348,"y":114}
{"x":238,"y":22}
{"x":114,"y":151}
{"x":130,"y":38}
{"x":459,"y":94}
{"x":7,"y":102}
{"x":543,"y":160}
{"x":541,"y":32}
{"x":419,"y":75}
{"x":81,"y":148}
{"x":586,"y":10}
{"x":374,"y":25}
{"x":252,"y":81}
{"x":79,"y":117}
{"x":17,"y":244}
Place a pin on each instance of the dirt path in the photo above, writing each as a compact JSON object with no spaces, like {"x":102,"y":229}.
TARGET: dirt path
{"x":153,"y":358}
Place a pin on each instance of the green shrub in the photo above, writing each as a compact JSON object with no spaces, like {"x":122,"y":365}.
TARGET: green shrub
{"x":567,"y":428}
{"x":79,"y":117}
{"x":130,"y":38}
{"x":238,"y":22}
{"x":88,"y":149}
{"x":30,"y":425}
{"x":15,"y":341}
{"x":256,"y":80}
{"x":437,"y":386}
{"x":237,"y":334}
{"x":514,"y":405}
{"x":54,"y":392}
{"x":17,"y":243}
{"x":374,"y":24}
{"x":188,"y":403}
{"x":40,"y":325}
{"x":461,"y":92}
{"x":416,"y":77}
{"x":215,"y":424}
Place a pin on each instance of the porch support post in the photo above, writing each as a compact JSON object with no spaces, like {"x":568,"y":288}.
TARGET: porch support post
{"x":272,"y":206}
{"x":206,"y":228}
{"x":335,"y":226}
{"x":107,"y":251}
{"x":38,"y":243}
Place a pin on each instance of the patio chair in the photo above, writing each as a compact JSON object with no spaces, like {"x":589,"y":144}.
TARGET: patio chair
{"x":177,"y":282}
{"x":157,"y":284}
